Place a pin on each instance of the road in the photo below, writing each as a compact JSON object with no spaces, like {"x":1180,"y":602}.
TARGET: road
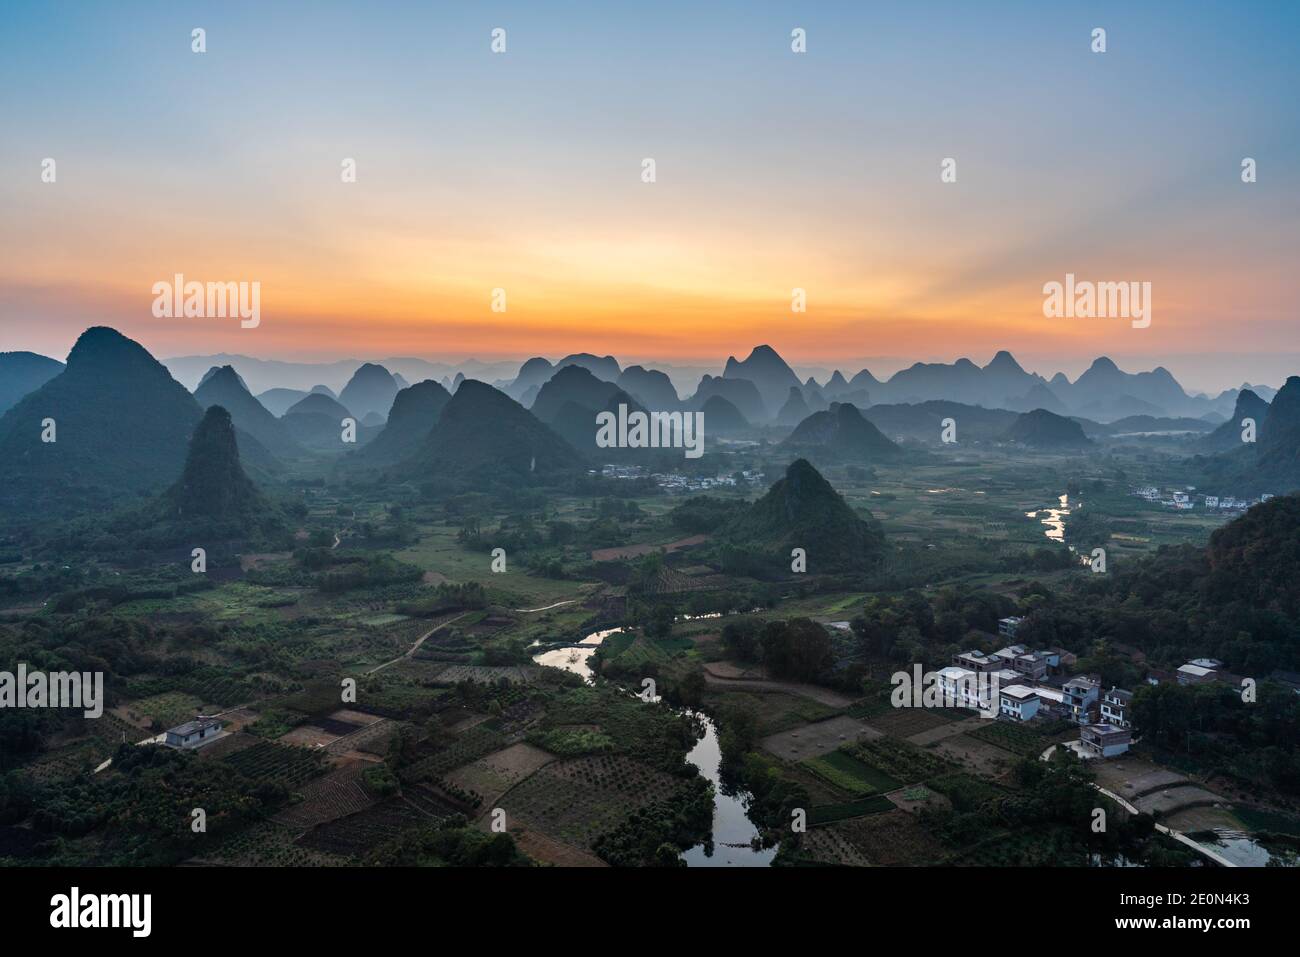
{"x":1176,"y":835}
{"x":418,"y":642}
{"x":569,"y":601}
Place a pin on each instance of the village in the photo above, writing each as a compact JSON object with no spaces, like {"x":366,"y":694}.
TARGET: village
{"x":1033,"y":685}
{"x":1185,"y":499}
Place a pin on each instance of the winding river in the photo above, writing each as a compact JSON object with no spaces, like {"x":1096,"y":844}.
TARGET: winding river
{"x":730,"y":842}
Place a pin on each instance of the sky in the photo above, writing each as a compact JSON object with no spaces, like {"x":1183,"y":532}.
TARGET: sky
{"x":522,"y":171}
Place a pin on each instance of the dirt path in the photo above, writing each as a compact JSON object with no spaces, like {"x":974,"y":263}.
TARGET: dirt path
{"x":760,"y":685}
{"x":418,"y":642}
{"x":569,"y":601}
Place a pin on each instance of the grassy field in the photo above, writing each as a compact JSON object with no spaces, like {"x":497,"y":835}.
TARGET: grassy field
{"x":439,"y":552}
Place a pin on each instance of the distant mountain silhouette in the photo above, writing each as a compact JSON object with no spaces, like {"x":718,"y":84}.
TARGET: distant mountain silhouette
{"x":923,"y":422}
{"x":1043,"y":429}
{"x":316,"y":421}
{"x":323,"y":390}
{"x":814,"y":397}
{"x":216,"y":370}
{"x":864,"y":380}
{"x":652,"y":388}
{"x":222,"y":386}
{"x":372,"y":388}
{"x":22,"y":373}
{"x":576,"y":424}
{"x":414,"y":414}
{"x":483,"y":435}
{"x":721,"y":417}
{"x":569,"y":401}
{"x":122,"y":423}
{"x":795,"y":409}
{"x":1119,"y":407}
{"x":1278,"y":457}
{"x":533,"y":374}
{"x":278,"y":401}
{"x":803,"y":510}
{"x":1039,"y":396}
{"x":1227,"y":437}
{"x":602,"y":367}
{"x":1100,"y":388}
{"x":741,"y":393}
{"x":841,"y":434}
{"x":214,"y":497}
{"x":836,"y":385}
{"x":769,"y":373}
{"x":573,"y":384}
{"x":1103,"y":392}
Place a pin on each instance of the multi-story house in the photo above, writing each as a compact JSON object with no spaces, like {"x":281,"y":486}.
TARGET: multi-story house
{"x":1115,"y":707}
{"x":1104,"y":740}
{"x":1018,"y":702}
{"x":1080,"y":693}
{"x":964,"y":688}
{"x":977,"y":661}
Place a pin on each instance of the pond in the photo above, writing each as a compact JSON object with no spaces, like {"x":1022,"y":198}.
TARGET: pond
{"x":1246,"y":850}
{"x":730,"y":841}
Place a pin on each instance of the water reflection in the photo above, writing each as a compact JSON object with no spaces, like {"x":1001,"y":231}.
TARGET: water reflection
{"x":1054,"y":518}
{"x":731,"y":841}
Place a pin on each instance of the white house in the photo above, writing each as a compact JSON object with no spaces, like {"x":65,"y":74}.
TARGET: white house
{"x":1007,"y":627}
{"x":963,"y":688}
{"x":1104,"y":740}
{"x":1115,"y":707}
{"x":193,"y":734}
{"x":1018,"y":702}
{"x":1080,"y":692}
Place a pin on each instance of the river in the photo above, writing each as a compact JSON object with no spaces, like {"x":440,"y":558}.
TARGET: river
{"x":730,"y":843}
{"x":1054,"y":518}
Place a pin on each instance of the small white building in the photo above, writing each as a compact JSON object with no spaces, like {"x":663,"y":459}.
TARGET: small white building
{"x":193,"y":734}
{"x":1104,"y":740}
{"x":1018,"y":702}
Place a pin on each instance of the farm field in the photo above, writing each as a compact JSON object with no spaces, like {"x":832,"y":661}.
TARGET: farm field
{"x":576,"y":801}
